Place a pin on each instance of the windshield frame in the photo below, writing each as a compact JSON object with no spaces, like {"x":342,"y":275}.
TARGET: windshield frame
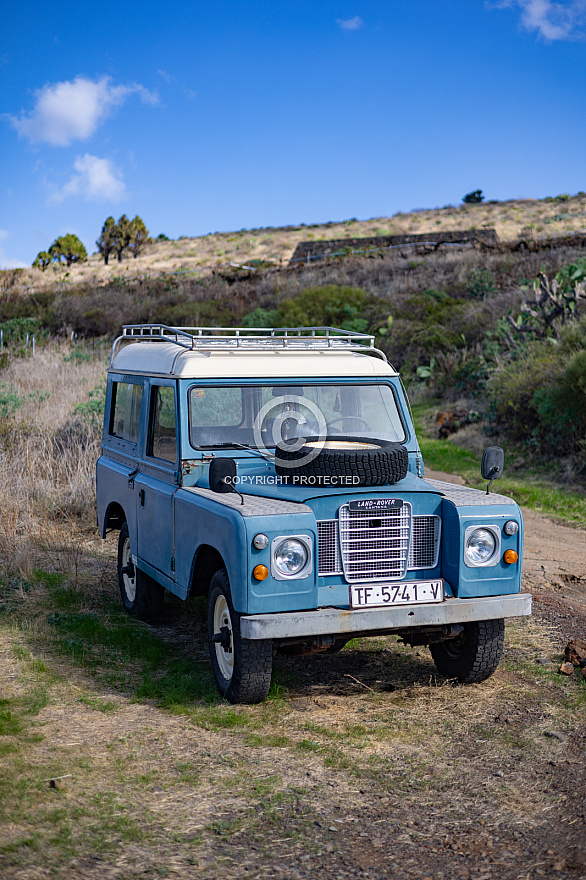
{"x":288,"y":383}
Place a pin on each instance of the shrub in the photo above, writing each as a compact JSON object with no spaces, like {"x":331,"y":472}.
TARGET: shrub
{"x":482,"y":282}
{"x":473,"y":198}
{"x":424,"y":326}
{"x":348,"y":308}
{"x":539,"y":397}
{"x":260,"y":317}
{"x":514,"y":390}
{"x":561,"y":408}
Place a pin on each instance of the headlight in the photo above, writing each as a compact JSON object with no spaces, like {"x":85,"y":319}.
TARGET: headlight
{"x":290,"y":557}
{"x":480,"y":546}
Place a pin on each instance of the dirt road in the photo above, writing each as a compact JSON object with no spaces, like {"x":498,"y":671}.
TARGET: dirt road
{"x":554,"y":570}
{"x":363,"y":765}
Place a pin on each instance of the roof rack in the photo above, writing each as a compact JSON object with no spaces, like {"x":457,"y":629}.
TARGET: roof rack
{"x":249,"y":338}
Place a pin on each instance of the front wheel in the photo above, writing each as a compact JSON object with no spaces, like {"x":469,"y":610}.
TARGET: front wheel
{"x":242,"y":667}
{"x":473,"y":655}
{"x":141,"y":595}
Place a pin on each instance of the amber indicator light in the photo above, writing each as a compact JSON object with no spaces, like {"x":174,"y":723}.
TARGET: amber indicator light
{"x":511,"y":556}
{"x":260,"y":572}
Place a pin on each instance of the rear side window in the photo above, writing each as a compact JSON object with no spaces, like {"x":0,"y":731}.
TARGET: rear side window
{"x":162,"y":436}
{"x":127,"y":399}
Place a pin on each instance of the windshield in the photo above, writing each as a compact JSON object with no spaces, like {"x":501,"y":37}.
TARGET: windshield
{"x":263,"y":415}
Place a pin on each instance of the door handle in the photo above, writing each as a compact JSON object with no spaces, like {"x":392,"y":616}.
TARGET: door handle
{"x":141,"y":497}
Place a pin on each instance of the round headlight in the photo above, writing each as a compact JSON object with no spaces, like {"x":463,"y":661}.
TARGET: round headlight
{"x":290,"y":557}
{"x":511,"y":527}
{"x":480,"y":546}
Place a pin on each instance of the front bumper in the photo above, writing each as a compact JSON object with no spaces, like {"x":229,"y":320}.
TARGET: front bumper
{"x":377,"y":621}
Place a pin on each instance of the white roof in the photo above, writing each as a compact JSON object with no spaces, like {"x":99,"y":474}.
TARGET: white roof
{"x":166,"y":359}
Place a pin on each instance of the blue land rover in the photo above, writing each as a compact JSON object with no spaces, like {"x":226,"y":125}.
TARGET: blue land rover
{"x":277,"y":473}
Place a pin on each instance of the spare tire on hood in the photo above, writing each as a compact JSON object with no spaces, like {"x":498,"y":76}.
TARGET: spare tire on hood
{"x":360,"y":461}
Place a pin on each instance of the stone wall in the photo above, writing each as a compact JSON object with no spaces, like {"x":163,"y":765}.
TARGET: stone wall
{"x":311,"y":250}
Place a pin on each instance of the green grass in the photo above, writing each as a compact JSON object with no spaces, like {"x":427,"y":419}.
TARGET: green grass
{"x":529,"y":490}
{"x":106,"y":806}
{"x":126,"y":653}
{"x":98,"y":705}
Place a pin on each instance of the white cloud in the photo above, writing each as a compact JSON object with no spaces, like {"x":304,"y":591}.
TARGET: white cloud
{"x":8,"y":262}
{"x":552,"y":21}
{"x":73,"y":110}
{"x":351,"y":24}
{"x":95,"y":180}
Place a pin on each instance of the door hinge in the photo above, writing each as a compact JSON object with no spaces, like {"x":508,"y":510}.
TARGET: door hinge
{"x":172,"y":563}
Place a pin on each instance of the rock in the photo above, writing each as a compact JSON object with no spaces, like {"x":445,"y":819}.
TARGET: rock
{"x":584,"y":673}
{"x":575,"y":651}
{"x":566,"y":668}
{"x":543,"y":661}
{"x":450,"y":421}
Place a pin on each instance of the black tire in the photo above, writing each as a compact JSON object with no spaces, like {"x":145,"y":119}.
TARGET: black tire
{"x":473,"y":655}
{"x":387,"y":463}
{"x":242,"y":667}
{"x":141,"y":595}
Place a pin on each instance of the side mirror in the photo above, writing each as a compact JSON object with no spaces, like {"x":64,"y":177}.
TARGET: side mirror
{"x":223,"y":476}
{"x":493,"y":463}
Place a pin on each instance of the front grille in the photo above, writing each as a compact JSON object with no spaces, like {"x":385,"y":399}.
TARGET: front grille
{"x":375,"y":544}
{"x":425,"y":537}
{"x":329,"y":547}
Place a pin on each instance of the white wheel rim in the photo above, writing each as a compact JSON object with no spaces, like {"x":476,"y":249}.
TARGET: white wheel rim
{"x":129,"y":582}
{"x":222,"y":618}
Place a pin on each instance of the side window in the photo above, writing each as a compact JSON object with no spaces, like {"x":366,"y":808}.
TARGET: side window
{"x":126,"y":401}
{"x":162,"y":438}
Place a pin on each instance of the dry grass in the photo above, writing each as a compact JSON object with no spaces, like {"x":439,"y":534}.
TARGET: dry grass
{"x":47,"y":458}
{"x":512,"y":219}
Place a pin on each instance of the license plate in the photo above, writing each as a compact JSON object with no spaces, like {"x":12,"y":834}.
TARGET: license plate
{"x":410,"y":593}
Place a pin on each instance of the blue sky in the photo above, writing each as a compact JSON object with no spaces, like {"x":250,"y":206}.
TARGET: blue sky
{"x":205,"y":117}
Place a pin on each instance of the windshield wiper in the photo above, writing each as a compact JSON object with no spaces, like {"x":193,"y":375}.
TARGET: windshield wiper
{"x":265,"y":455}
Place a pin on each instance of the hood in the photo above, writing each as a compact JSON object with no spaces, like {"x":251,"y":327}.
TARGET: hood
{"x":258,"y":477}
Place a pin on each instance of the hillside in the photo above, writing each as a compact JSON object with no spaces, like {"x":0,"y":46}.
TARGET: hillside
{"x":539,"y":219}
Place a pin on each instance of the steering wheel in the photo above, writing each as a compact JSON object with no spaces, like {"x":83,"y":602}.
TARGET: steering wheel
{"x":363,"y":424}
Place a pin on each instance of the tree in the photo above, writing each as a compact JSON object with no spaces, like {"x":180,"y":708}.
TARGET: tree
{"x":473,"y":198}
{"x":121,"y":236}
{"x":139,"y":237}
{"x":42,"y":260}
{"x":68,"y":247}
{"x":106,"y":243}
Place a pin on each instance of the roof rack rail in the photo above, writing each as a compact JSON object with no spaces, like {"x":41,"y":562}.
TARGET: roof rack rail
{"x":249,"y":338}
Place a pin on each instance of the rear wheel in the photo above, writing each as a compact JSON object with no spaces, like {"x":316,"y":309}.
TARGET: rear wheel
{"x":242,"y":667}
{"x":141,"y":595}
{"x":473,"y":655}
